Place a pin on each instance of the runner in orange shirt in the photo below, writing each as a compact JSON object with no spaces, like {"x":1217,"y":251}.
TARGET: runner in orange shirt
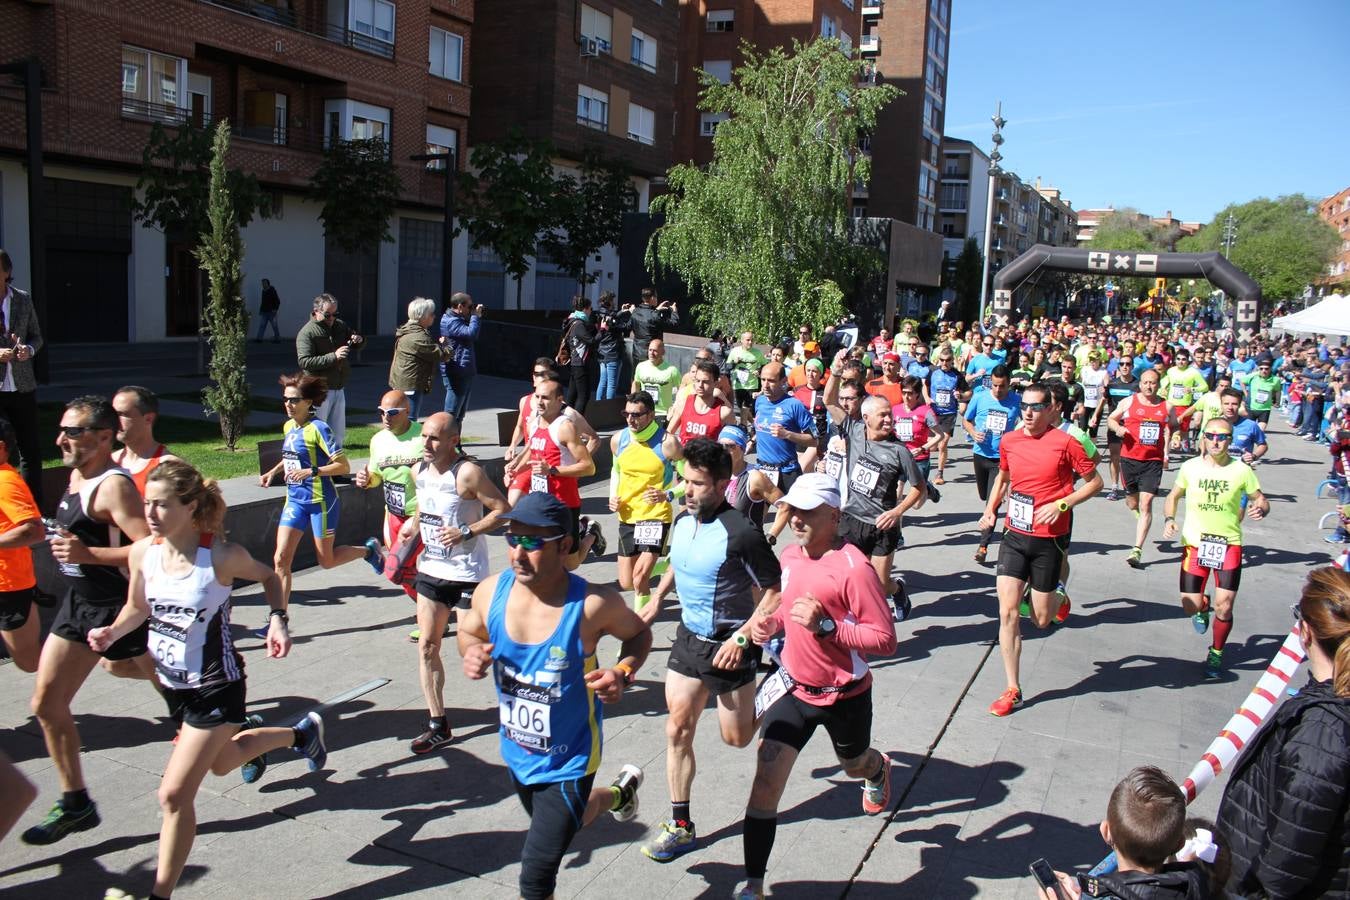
{"x":20,"y":529}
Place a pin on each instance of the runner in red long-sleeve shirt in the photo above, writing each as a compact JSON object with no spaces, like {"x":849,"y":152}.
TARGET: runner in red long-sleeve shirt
{"x":833,"y":612}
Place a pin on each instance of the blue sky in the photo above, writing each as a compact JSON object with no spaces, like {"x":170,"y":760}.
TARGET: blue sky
{"x":1185,"y":105}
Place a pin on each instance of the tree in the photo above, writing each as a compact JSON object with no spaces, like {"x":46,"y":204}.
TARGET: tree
{"x":589,"y":213}
{"x":964,"y":279}
{"x":764,"y":232}
{"x":510,"y":199}
{"x":220,"y":255}
{"x":359,"y":188}
{"x":1281,"y":243}
{"x":174,"y":185}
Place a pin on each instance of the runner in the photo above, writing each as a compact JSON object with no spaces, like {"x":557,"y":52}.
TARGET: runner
{"x":1142,"y":422}
{"x":916,"y":428}
{"x":888,"y":385}
{"x":1263,"y":390}
{"x":310,"y":458}
{"x":1249,"y":440}
{"x":812,"y":396}
{"x":137,"y":409}
{"x":658,"y":378}
{"x":536,"y":627}
{"x":554,"y":460}
{"x":749,"y":489}
{"x":394,"y":450}
{"x":1181,"y":387}
{"x":701,"y":413}
{"x":980,"y":368}
{"x":179,"y":587}
{"x":99,"y":506}
{"x":832,"y":615}
{"x":1037,"y":465}
{"x":641,"y":485}
{"x":1074,"y":410}
{"x":745,"y":361}
{"x":783,"y":427}
{"x":1095,"y":406}
{"x":989,"y":415}
{"x":1123,"y":385}
{"x":946,"y":389}
{"x":543,"y":368}
{"x":720,"y":565}
{"x":1215,"y":486}
{"x":20,"y":529}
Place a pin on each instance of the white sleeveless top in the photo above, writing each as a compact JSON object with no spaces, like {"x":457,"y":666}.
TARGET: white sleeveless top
{"x":438,"y":504}
{"x":189,"y":622}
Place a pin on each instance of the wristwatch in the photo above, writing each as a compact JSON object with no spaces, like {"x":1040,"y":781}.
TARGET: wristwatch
{"x":313,"y":471}
{"x":280,"y":614}
{"x":825,"y":627}
{"x":465,"y":532}
{"x":741,"y":640}
{"x":1062,"y":505}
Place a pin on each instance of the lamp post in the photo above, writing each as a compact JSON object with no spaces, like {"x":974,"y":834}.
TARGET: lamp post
{"x":994,"y":171}
{"x":447,"y":233}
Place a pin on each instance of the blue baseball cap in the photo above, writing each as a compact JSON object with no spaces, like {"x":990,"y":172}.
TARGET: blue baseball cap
{"x":733,"y":433}
{"x":540,"y":510}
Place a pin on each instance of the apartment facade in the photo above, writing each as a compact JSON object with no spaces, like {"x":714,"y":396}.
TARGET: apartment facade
{"x":1335,"y":211}
{"x":963,"y":195}
{"x":291,"y":76}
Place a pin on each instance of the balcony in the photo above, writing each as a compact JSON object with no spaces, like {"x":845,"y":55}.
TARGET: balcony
{"x":280,"y":13}
{"x":871,"y":8}
{"x":163,"y":113}
{"x":869,"y":45}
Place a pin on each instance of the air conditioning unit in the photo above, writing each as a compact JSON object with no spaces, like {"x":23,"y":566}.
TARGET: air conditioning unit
{"x":590,"y":47}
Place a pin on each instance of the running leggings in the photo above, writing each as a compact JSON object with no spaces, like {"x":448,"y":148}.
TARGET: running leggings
{"x":986,"y":470}
{"x":555,"y":810}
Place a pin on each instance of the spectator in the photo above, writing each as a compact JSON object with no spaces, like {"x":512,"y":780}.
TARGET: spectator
{"x":1286,"y":810}
{"x":579,"y":337}
{"x":267,"y":312}
{"x":322,"y":347}
{"x":20,"y":340}
{"x":608,"y":350}
{"x":648,"y":322}
{"x":459,"y":327}
{"x":416,"y":354}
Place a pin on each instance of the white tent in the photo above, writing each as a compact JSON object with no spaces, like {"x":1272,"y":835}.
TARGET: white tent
{"x":1330,"y":316}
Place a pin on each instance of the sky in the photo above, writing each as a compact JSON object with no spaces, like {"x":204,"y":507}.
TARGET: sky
{"x":1186,"y":105}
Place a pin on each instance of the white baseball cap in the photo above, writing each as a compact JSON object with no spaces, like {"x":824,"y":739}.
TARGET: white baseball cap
{"x":811,"y":490}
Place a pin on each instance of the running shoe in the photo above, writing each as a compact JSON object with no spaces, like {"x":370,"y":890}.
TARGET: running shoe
{"x":117,"y":894}
{"x":625,"y":786}
{"x":600,"y":545}
{"x":1062,"y":614}
{"x":1114,"y":494}
{"x":375,"y":556}
{"x":902,"y":604}
{"x":1334,"y":539}
{"x":416,"y":634}
{"x":1200,"y":621}
{"x":876,"y":797}
{"x":1024,"y":608}
{"x":939,"y":479}
{"x":746,"y":892}
{"x":1213,"y":664}
{"x":431,"y":739}
{"x":312,"y":747}
{"x":1136,"y":558}
{"x":261,"y":633}
{"x":933,"y":493}
{"x":670,"y":840}
{"x":1006,"y":703}
{"x":61,"y":822}
{"x":252,"y":770}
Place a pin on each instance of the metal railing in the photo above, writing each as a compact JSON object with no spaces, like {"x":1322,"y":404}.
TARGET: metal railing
{"x":285,"y":17}
{"x":145,"y":111}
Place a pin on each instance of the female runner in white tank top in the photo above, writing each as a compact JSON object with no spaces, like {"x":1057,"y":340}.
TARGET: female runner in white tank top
{"x":181,"y":577}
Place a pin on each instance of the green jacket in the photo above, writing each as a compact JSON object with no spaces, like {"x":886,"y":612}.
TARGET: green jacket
{"x":316,"y":346}
{"x":416,"y":354}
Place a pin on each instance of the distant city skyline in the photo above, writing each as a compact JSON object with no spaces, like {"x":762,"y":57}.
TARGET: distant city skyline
{"x":1146,"y":104}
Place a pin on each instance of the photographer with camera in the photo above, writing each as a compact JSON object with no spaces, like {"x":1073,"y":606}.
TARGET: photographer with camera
{"x":322,"y":348}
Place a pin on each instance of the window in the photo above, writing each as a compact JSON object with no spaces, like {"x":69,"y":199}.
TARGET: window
{"x":828,"y":28}
{"x":265,"y":117}
{"x":597,"y":25}
{"x":641,"y":124}
{"x":719,"y":69}
{"x":846,"y":43}
{"x":721,"y":20}
{"x":351,"y":120}
{"x":592,"y":107}
{"x":644,"y":51}
{"x":937,"y":43}
{"x":440,"y":140}
{"x":447,"y":52}
{"x":859,"y":211}
{"x":373,"y":18}
{"x":708,"y":122}
{"x":955,"y":196}
{"x":153,"y":85}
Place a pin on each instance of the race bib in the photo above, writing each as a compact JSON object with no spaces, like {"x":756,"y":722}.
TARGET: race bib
{"x":538,"y":483}
{"x":1260,"y":396}
{"x":771,"y":471}
{"x":864,"y":476}
{"x":290,"y":461}
{"x":1212,"y":551}
{"x":771,"y":690}
{"x":1178,"y":391}
{"x":653,"y":389}
{"x":648,"y":534}
{"x":696,"y":429}
{"x":996,"y":422}
{"x":987,"y":381}
{"x":942,"y":398}
{"x":904,"y":430}
{"x":834,"y":465}
{"x":526,"y":722}
{"x":1150,"y":433}
{"x":71,"y":569}
{"x":1020,"y":509}
{"x":1091,"y":394}
{"x":169,"y":651}
{"x":430,"y":526}
{"x":742,"y":377}
{"x":395,"y":496}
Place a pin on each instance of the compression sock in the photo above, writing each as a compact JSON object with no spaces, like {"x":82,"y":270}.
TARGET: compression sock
{"x":1221,"y":629}
{"x":758,"y":835}
{"x":75,"y":800}
{"x":679,"y":811}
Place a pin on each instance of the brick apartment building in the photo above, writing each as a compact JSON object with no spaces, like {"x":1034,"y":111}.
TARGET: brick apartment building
{"x":291,"y":76}
{"x":1335,"y":211}
{"x":595,"y":75}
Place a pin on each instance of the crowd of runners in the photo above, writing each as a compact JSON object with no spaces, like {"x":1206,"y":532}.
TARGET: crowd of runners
{"x":837,"y":445}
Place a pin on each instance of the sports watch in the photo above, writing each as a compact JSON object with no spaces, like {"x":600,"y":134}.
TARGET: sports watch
{"x":1062,"y":505}
{"x":825,"y":627}
{"x":465,"y":532}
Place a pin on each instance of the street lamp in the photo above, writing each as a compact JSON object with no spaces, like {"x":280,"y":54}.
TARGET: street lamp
{"x":994,"y":171}
{"x":447,"y":233}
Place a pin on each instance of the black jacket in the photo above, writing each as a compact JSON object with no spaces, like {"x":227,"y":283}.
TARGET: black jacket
{"x":650,"y":322}
{"x":1286,"y":811}
{"x":580,"y":341}
{"x":1178,"y":881}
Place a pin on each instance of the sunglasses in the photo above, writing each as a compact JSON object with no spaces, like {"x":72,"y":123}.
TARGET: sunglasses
{"x":1034,"y":407}
{"x":531,"y":542}
{"x":391,"y":411}
{"x":540,"y":373}
{"x":1218,"y":435}
{"x":636,"y":415}
{"x":74,"y":431}
{"x":292,"y":399}
{"x":1297,"y":611}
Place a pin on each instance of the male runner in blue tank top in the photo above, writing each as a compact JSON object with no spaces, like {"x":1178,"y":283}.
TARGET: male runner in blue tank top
{"x":535,"y":628}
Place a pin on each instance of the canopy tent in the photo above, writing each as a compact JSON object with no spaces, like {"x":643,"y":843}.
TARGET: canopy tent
{"x":1330,"y":316}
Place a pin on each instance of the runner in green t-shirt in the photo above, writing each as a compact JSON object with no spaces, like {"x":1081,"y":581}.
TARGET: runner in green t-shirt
{"x":394,"y":450}
{"x":657,"y":377}
{"x":1263,"y":389}
{"x":745,"y":360}
{"x":1180,"y":387}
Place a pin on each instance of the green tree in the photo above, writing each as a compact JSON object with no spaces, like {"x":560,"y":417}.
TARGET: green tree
{"x":1282,"y":243}
{"x":359,"y":188}
{"x":764,"y":231}
{"x":510,"y":199}
{"x":589,"y":213}
{"x":173,"y":190}
{"x":964,"y":278}
{"x":220,"y":255}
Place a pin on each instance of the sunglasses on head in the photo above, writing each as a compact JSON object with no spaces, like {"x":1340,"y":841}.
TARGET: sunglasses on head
{"x":530,"y":542}
{"x":1218,"y":435}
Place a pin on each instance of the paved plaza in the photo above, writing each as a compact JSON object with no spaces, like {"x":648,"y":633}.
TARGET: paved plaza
{"x":975,"y":798}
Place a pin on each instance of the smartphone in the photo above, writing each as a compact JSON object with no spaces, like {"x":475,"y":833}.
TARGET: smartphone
{"x":1046,"y":878}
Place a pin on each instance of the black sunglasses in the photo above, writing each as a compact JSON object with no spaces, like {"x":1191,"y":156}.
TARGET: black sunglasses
{"x":1218,"y":435}
{"x":292,"y":399}
{"x":74,"y":431}
{"x":1034,"y":407}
